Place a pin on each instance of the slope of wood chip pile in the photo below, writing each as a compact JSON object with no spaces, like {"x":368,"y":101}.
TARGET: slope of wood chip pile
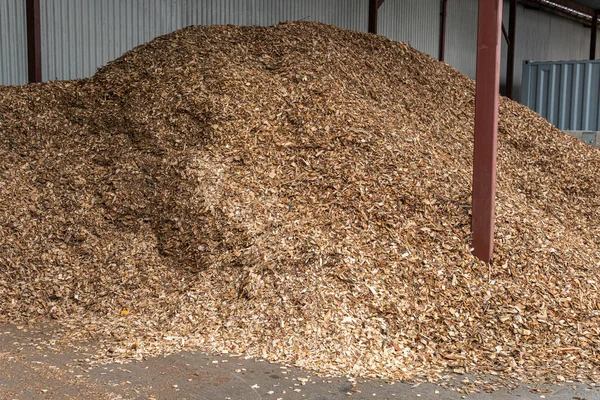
{"x":299,"y":193}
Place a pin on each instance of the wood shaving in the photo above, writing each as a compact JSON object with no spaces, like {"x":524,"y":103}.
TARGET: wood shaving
{"x":298,"y":193}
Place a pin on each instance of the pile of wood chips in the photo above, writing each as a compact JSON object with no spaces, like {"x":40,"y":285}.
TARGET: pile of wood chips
{"x":299,"y":193}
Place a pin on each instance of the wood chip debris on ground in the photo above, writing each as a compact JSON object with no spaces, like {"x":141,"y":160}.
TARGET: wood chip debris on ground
{"x":299,"y":193}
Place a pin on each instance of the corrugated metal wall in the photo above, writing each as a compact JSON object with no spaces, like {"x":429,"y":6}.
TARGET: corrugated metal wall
{"x":13,"y":43}
{"x":78,"y":36}
{"x":540,"y":36}
{"x":416,"y":22}
{"x":546,"y":37}
{"x":461,"y":35}
{"x":565,"y":93}
{"x":351,"y":14}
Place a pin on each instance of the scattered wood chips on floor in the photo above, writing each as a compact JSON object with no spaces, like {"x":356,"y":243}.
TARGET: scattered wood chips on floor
{"x":299,"y":193}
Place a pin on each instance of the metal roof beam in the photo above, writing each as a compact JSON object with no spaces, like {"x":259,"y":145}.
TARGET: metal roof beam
{"x":562,"y":10}
{"x":574,"y":6}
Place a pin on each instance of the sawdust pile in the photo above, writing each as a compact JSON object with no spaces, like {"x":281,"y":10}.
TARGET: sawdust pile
{"x":300,"y":193}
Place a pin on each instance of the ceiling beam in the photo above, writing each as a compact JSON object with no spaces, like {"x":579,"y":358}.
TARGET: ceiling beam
{"x":579,"y":13}
{"x":574,"y":6}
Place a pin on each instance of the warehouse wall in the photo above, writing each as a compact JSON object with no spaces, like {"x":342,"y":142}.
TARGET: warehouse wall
{"x":416,"y":22}
{"x":565,"y":93}
{"x":461,"y":35}
{"x":13,"y":43}
{"x":541,"y":36}
{"x":92,"y":33}
{"x":78,"y":36}
{"x":545,"y":37}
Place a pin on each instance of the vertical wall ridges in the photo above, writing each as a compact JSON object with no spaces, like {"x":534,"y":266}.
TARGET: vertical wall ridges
{"x":13,"y":43}
{"x":416,"y":22}
{"x":565,"y":93}
{"x":78,"y":36}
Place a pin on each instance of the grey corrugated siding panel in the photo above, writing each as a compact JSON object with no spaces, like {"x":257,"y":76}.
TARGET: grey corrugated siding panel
{"x":543,"y":36}
{"x":13,"y":43}
{"x":350,"y":14}
{"x":539,"y":36}
{"x":461,"y":35}
{"x":416,"y":22}
{"x":461,"y":39}
{"x":78,"y":36}
{"x":566,"y":93}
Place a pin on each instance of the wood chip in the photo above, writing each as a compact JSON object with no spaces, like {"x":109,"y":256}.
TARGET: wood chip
{"x":297,"y":193}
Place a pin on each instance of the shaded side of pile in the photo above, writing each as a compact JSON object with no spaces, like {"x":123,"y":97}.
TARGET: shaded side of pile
{"x":300,"y":193}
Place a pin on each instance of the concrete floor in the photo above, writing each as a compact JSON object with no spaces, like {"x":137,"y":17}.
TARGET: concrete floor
{"x":32,"y":367}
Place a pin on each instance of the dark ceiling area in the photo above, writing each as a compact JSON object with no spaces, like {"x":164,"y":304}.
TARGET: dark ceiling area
{"x":593,"y":4}
{"x":580,"y":10}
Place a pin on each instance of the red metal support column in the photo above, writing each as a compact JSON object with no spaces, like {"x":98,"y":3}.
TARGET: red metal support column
{"x":510,"y":59}
{"x":594,"y":35}
{"x":486,"y":127}
{"x":34,"y":42}
{"x":373,"y":8}
{"x":443,"y":14}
